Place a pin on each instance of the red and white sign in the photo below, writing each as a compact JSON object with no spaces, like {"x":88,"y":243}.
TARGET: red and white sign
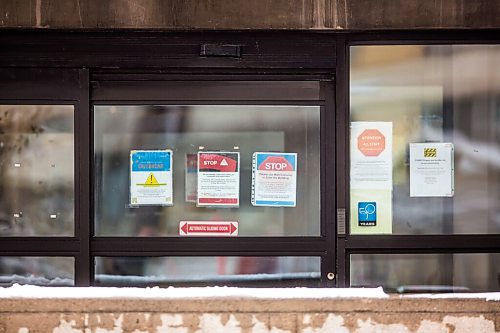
{"x":218,"y":179}
{"x":371,"y":142}
{"x":222,"y":162}
{"x":275,"y":163}
{"x":208,"y":228}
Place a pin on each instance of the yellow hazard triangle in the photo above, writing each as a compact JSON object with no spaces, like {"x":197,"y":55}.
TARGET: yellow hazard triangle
{"x":152,"y":181}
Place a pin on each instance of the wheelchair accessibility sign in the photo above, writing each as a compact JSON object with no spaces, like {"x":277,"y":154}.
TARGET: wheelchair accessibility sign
{"x":367,"y":214}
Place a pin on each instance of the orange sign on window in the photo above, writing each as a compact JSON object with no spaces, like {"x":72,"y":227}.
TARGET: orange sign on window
{"x":371,"y":142}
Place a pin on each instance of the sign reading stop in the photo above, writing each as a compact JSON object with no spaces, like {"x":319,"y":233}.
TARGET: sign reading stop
{"x":371,"y":142}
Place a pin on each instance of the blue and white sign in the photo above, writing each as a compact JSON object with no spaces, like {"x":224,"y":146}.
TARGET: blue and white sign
{"x":367,"y":214}
{"x":151,"y":177}
{"x":274,"y":181}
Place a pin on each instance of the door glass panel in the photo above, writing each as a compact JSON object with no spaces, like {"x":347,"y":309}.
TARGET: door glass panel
{"x":439,"y":99}
{"x":407,"y":273}
{"x":165,"y":271}
{"x":36,"y":170}
{"x":42,"y":271}
{"x":186,"y":130}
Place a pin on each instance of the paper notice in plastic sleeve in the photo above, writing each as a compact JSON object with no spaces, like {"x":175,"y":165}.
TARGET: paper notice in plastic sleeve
{"x":218,"y":179}
{"x":274,"y":181}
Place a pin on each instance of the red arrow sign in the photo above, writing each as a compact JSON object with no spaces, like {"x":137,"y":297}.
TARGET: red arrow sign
{"x":208,"y":228}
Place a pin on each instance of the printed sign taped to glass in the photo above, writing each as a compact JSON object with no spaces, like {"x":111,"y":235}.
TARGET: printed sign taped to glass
{"x":151,"y":177}
{"x":274,"y":179}
{"x":218,"y":179}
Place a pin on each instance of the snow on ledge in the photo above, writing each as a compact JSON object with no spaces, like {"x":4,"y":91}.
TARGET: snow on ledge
{"x":26,"y":291}
{"x":18,"y":291}
{"x":494,"y":296}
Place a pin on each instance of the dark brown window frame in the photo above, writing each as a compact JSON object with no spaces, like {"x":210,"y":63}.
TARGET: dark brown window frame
{"x":58,"y":66}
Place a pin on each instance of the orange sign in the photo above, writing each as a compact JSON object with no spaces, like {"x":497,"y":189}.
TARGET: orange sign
{"x":371,"y":142}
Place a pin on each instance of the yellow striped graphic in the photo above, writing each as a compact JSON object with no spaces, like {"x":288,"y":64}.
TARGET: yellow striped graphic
{"x":430,"y":152}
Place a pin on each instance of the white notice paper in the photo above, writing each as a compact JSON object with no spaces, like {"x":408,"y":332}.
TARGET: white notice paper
{"x":371,"y":155}
{"x":431,"y":170}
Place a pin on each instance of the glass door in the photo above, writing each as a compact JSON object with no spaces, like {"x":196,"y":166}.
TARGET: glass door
{"x":232,"y":185}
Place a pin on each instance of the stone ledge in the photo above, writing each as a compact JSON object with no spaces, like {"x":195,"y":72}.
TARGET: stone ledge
{"x":394,"y":304}
{"x":30,"y":309}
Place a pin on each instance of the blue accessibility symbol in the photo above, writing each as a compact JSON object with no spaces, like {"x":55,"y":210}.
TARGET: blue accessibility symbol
{"x":367,"y":214}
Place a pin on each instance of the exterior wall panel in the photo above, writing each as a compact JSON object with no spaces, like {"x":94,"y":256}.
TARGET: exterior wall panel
{"x":242,"y":14}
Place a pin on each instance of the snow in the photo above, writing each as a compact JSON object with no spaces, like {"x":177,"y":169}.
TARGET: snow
{"x":18,"y":291}
{"x":26,"y":291}
{"x":35,"y":280}
{"x":494,"y":296}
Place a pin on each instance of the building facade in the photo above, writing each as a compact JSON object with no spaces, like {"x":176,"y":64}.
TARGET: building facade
{"x":329,"y":144}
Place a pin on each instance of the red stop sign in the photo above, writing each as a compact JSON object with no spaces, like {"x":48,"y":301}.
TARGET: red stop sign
{"x":371,"y":142}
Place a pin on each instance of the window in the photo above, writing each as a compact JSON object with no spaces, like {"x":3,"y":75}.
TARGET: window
{"x":43,"y":271}
{"x":37,"y":176}
{"x":43,"y":186}
{"x":264,"y":244}
{"x":430,"y":94}
{"x":188,"y":129}
{"x":424,"y":148}
{"x":382,"y":157}
{"x":430,"y":273}
{"x":187,"y":271}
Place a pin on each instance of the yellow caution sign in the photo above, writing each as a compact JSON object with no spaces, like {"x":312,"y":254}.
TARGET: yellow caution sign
{"x":152,"y":181}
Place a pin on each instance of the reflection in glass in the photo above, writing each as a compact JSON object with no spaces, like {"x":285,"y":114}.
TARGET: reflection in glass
{"x":36,"y":170}
{"x":165,"y":271}
{"x":427,"y":272}
{"x":42,"y":271}
{"x":186,"y":128}
{"x":436,"y":93}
